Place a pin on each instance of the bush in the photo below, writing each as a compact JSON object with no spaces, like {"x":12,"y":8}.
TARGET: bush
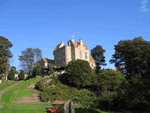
{"x":11,"y":75}
{"x":37,"y":70}
{"x":21,"y":75}
{"x":51,"y":71}
{"x":79,"y":72}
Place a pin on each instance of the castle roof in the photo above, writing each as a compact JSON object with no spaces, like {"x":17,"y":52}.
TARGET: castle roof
{"x":76,"y":43}
{"x":91,"y":59}
{"x":48,"y":60}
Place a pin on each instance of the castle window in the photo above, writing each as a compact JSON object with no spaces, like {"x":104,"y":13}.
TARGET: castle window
{"x":85,"y":55}
{"x":79,"y":46}
{"x":80,"y":55}
{"x":92,"y":64}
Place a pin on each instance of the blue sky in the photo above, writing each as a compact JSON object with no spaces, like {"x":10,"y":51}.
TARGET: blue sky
{"x":45,"y":23}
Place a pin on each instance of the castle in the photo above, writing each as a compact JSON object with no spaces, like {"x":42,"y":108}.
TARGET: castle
{"x":72,"y":51}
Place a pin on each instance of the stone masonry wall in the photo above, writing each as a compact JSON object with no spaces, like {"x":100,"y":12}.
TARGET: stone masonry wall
{"x":83,"y":51}
{"x":59,"y":57}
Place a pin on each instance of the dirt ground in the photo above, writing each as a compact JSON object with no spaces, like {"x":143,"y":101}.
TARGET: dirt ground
{"x":27,"y":99}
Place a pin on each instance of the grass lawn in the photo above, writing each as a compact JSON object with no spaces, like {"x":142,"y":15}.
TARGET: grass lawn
{"x":6,"y":84}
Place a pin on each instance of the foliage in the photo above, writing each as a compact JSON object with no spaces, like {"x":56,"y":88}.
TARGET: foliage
{"x":98,"y":55}
{"x":79,"y":72}
{"x":37,"y":70}
{"x":5,"y":53}
{"x":11,"y":75}
{"x":110,"y":79}
{"x":51,"y":71}
{"x":14,"y":68}
{"x":83,"y":97}
{"x":21,"y":75}
{"x":132,"y":57}
{"x":37,"y":54}
{"x":27,"y":59}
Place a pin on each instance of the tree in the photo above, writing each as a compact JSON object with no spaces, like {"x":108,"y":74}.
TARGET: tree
{"x":5,"y":53}
{"x":14,"y":68}
{"x":132,"y":57}
{"x":27,"y":59}
{"x":98,"y":55}
{"x":11,"y":75}
{"x":109,"y":82}
{"x":37,"y":54}
{"x":79,"y":72}
{"x":110,"y":79}
{"x":21,"y":75}
{"x":37,"y":70}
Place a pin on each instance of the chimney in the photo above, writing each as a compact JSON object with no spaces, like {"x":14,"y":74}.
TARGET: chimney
{"x":81,"y":43}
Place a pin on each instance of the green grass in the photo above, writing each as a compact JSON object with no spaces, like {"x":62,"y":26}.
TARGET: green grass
{"x":19,"y":91}
{"x":25,"y":108}
{"x":6,"y":84}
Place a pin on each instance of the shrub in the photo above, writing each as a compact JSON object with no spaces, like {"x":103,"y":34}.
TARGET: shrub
{"x":51,"y":70}
{"x":37,"y":70}
{"x":79,"y":72}
{"x":11,"y":75}
{"x":21,"y":75}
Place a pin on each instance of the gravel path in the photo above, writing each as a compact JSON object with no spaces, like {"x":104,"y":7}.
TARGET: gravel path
{"x":2,"y":92}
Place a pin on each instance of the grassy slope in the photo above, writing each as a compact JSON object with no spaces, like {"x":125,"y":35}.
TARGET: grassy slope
{"x":19,"y":91}
{"x":5,"y":84}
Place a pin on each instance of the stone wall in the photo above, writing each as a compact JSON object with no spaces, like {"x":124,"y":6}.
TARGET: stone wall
{"x":59,"y":57}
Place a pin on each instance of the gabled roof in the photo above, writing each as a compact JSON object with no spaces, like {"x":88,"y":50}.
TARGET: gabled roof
{"x":48,"y":60}
{"x":76,"y":43}
{"x":91,"y":59}
{"x":56,"y":47}
{"x":60,"y":102}
{"x":59,"y":46}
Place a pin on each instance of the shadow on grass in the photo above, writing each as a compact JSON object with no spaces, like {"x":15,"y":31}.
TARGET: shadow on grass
{"x":81,"y":110}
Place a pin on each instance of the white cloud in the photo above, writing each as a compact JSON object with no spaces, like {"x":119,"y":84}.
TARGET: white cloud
{"x":143,"y":6}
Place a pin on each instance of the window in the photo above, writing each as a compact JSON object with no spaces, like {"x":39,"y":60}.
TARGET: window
{"x":79,"y":46}
{"x":85,"y":55}
{"x":92,"y":64}
{"x":80,"y":55}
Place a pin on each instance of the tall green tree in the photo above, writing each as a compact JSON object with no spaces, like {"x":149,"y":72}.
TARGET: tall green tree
{"x":98,"y":55}
{"x":37,"y":70}
{"x":79,"y":72}
{"x":5,"y":53}
{"x":21,"y":75}
{"x":132,"y":57}
{"x":14,"y":68}
{"x":11,"y":75}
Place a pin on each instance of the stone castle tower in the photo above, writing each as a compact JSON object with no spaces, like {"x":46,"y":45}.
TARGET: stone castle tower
{"x":72,"y":51}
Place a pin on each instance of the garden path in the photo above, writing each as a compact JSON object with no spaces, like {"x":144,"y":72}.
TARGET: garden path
{"x":2,"y":92}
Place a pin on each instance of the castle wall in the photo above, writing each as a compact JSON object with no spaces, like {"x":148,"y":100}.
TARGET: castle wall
{"x":59,"y":57}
